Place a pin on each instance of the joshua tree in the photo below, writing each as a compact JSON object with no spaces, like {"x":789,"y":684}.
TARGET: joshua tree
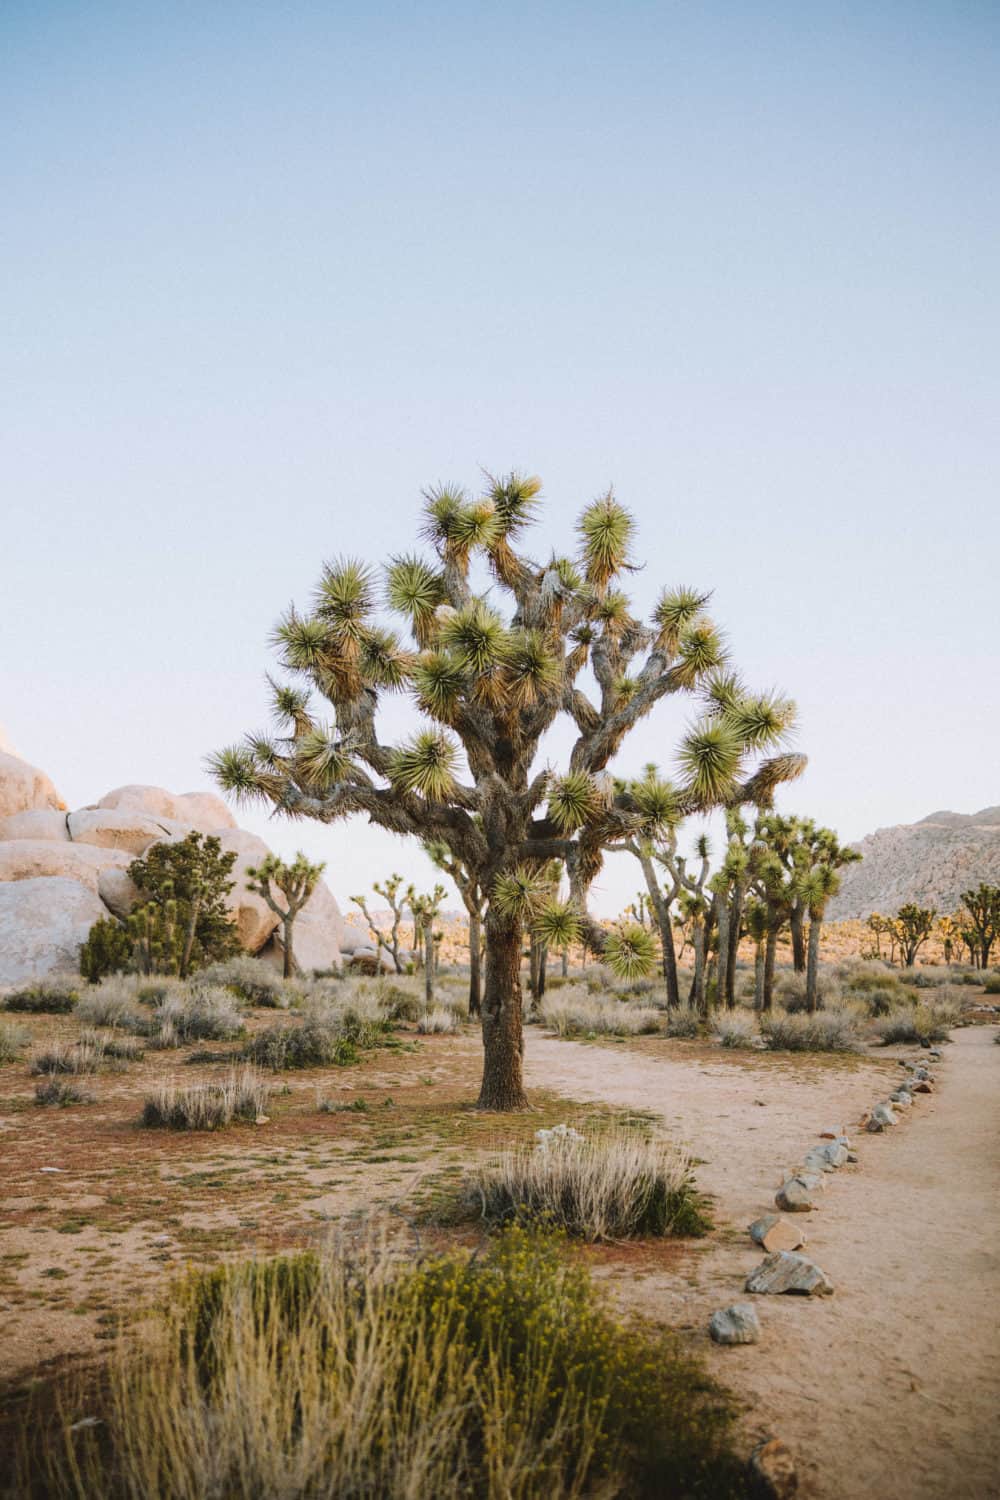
{"x":474,"y":902}
{"x":913,"y":926}
{"x":426,"y":910}
{"x":757,"y":928}
{"x":273,"y":880}
{"x":813,"y":889}
{"x":981,"y":925}
{"x":399,"y":902}
{"x":882,"y":927}
{"x":492,"y":684}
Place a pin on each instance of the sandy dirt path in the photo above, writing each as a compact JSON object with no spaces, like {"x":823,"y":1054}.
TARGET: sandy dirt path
{"x":891,"y":1387}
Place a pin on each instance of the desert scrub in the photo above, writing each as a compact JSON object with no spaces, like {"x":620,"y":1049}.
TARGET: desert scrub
{"x":114,"y":1046}
{"x":826,"y":1031}
{"x":312,"y":1044}
{"x":209,"y":1014}
{"x":736,"y":1030}
{"x":790,"y":991}
{"x":62,"y":1091}
{"x":576,"y":1013}
{"x":357,"y":1374}
{"x":12,"y":1039}
{"x":992,"y":985}
{"x":56,"y":995}
{"x":83,"y":1056}
{"x":439,"y":1021}
{"x":922,"y":1023}
{"x":251,"y":981}
{"x":242,"y":1096}
{"x":682,"y":1023}
{"x":617,"y":1184}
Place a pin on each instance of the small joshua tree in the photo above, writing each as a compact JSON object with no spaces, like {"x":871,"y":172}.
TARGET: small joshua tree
{"x":475,"y":902}
{"x":913,"y":926}
{"x":980,"y":919}
{"x":426,"y":910}
{"x":399,"y":898}
{"x":286,"y":889}
{"x":491,"y":665}
{"x":184,"y":922}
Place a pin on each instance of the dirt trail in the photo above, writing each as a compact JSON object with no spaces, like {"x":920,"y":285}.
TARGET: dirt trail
{"x":890,"y":1388}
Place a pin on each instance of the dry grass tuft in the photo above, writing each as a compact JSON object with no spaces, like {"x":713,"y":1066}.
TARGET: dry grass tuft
{"x":826,"y":1031}
{"x":208,"y":1106}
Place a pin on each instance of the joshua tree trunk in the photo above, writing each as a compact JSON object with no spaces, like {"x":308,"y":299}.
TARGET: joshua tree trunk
{"x":543,"y":960}
{"x":696,"y":995}
{"x":429,"y":962}
{"x":758,"y":976}
{"x":797,"y":923}
{"x":565,"y":963}
{"x":735,"y":920}
{"x":475,"y":962}
{"x":770,"y":954}
{"x":503,"y":1043}
{"x":812,"y":966}
{"x":722,"y":992}
{"x":189,"y":936}
{"x":661,"y":910}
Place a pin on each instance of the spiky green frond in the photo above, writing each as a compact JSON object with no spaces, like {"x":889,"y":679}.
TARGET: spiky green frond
{"x":675,"y":610}
{"x":656,"y":802}
{"x":345,"y":596}
{"x":476,"y":635}
{"x":709,"y":761}
{"x":612,"y":610}
{"x":514,"y":498}
{"x":557,"y":923}
{"x":426,"y":764}
{"x":414,"y":589}
{"x":623,"y":690}
{"x":320,"y":759}
{"x":301,"y":641}
{"x":762,"y":720}
{"x":771,"y":774}
{"x":723,"y":691}
{"x":290,"y":705}
{"x":573,"y":800}
{"x":605,"y":530}
{"x":630,"y":952}
{"x":439,"y":681}
{"x":443,"y":505}
{"x":236,"y":772}
{"x":263,"y":749}
{"x":700,"y":651}
{"x":383,"y":663}
{"x":518,"y":894}
{"x":530,"y":670}
{"x":569,"y":573}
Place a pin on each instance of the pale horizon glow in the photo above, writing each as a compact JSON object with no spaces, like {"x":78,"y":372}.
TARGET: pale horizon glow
{"x":268,"y":272}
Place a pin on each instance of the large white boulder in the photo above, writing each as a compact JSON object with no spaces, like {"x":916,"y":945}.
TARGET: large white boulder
{"x":33,"y":859}
{"x":201,"y":811}
{"x":39,"y":823}
{"x":117,"y":890}
{"x":42,"y":924}
{"x":116,"y":828}
{"x":23,"y":788}
{"x":255,"y":921}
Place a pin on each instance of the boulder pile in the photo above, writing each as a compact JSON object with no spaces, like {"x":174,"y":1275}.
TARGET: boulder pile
{"x":61,"y":870}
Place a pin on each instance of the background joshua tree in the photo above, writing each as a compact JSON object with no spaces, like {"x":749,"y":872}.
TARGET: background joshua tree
{"x":474,"y":901}
{"x":913,"y":926}
{"x":286,"y":889}
{"x":426,"y":910}
{"x":980,"y":922}
{"x":491,"y":682}
{"x":398,"y":897}
{"x":183,"y":922}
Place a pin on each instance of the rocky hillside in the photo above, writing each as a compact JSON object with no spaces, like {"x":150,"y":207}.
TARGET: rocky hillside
{"x":931,"y":862}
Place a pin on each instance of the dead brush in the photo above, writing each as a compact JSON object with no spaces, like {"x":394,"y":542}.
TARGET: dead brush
{"x":576,"y":1013}
{"x":84,"y":1056}
{"x":60,"y":1092}
{"x":615,"y":1185}
{"x":243,"y":1096}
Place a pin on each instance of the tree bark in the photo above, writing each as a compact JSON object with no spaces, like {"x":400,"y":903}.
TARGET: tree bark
{"x":503,"y":1042}
{"x":722,"y":992}
{"x":797,"y":924}
{"x":770,"y":954}
{"x":543,"y":960}
{"x":565,"y":963}
{"x":697,"y":991}
{"x":288,"y":962}
{"x":735,"y":919}
{"x":661,"y":909}
{"x":758,"y":977}
{"x":812,"y":966}
{"x":475,"y":963}
{"x":429,"y":962}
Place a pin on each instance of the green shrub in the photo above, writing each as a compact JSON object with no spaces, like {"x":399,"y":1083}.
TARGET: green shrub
{"x":924,"y":1023}
{"x":107,"y":950}
{"x":312,"y":1044}
{"x":736,"y":1030}
{"x":362,"y":1375}
{"x":55,"y":996}
{"x":252,"y":981}
{"x":70,"y":1057}
{"x":992,"y":985}
{"x":682,"y":1023}
{"x":60,"y":1092}
{"x":826,"y":1031}
{"x":208,"y":1106}
{"x":208,"y":1014}
{"x":573,"y":1012}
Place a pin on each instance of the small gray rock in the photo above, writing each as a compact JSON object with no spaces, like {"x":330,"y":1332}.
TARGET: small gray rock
{"x":815,"y":1161}
{"x":884,"y":1115}
{"x":785,"y":1271}
{"x":794,"y":1197}
{"x":902,"y":1096}
{"x":738,"y":1324}
{"x":834,"y":1152}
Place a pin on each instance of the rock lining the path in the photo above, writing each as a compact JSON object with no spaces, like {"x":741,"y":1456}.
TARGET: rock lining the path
{"x":738,"y":1324}
{"x":774,"y":1233}
{"x":784,"y":1272}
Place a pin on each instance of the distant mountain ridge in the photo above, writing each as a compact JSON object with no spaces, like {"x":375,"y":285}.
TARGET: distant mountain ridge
{"x":931,"y":863}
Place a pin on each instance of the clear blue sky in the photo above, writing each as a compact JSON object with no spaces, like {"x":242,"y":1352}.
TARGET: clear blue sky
{"x":268,"y":270}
